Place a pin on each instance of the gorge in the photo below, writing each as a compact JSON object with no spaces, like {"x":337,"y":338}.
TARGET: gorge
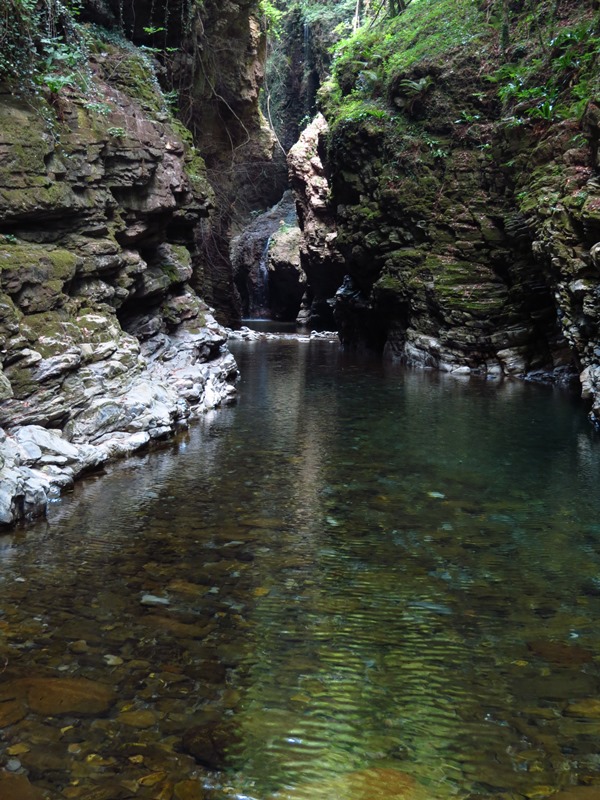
{"x":446,"y":194}
{"x":369,"y":569}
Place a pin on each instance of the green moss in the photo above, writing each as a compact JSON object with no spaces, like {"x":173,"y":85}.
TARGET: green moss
{"x":34,"y":199}
{"x":21,"y":381}
{"x":10,"y":319}
{"x":50,"y":332}
{"x":405,"y":258}
{"x":366,"y":214}
{"x":194,"y":163}
{"x":196,"y":171}
{"x":92,"y":324}
{"x":415,"y":195}
{"x":403,"y":274}
{"x":356,"y":109}
{"x":428,"y":31}
{"x":543,"y":188}
{"x":590,"y":213}
{"x":24,"y":130}
{"x":24,"y":263}
{"x":131,"y":72}
{"x":575,"y":201}
{"x":466,"y":287}
{"x":64,"y":264}
{"x":182,"y":254}
{"x":196,"y":325}
{"x":390,"y":283}
{"x":372,"y":57}
{"x":170,"y":270}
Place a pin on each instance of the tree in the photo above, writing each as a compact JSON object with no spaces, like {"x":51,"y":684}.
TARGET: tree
{"x":357,"y":15}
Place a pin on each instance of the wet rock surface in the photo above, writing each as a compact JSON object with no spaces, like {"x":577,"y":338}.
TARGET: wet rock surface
{"x":320,"y":258}
{"x":287,"y":280}
{"x":209,"y":744}
{"x":18,"y":787}
{"x":104,"y":345}
{"x":246,"y":334}
{"x":266,"y":265}
{"x":58,"y":697}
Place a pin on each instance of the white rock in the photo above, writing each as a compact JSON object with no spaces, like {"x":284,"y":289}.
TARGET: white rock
{"x":154,"y":600}
{"x":48,"y":441}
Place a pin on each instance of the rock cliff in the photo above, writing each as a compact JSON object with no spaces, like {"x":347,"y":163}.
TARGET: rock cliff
{"x":104,"y":343}
{"x":219,"y":76}
{"x":456,"y":179}
{"x":321,"y":259}
{"x":210,"y":56}
{"x":266,"y":263}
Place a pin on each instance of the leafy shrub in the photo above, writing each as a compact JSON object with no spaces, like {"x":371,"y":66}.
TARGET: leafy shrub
{"x":18,"y":24}
{"x":41,"y":44}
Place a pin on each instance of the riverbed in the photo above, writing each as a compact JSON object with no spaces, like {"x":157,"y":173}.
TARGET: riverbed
{"x":360,"y":581}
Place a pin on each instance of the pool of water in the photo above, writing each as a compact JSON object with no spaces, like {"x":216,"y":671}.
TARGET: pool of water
{"x":272,"y":326}
{"x":358,"y":583}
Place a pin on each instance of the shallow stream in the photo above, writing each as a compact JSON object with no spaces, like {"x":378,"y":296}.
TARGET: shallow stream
{"x":372,"y":583}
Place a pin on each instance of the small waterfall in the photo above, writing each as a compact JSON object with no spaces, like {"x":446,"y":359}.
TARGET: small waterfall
{"x":310,"y":78}
{"x":306,"y":56}
{"x":259,"y":290}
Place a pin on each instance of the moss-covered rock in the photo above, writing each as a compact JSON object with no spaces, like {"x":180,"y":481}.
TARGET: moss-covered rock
{"x":462,"y":188}
{"x":30,"y":265}
{"x":101,"y":194}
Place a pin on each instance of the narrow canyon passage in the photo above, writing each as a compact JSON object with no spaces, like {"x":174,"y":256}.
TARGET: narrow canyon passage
{"x":358,"y":582}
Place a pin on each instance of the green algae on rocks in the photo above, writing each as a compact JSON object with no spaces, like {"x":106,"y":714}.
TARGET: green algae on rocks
{"x":462,"y":158}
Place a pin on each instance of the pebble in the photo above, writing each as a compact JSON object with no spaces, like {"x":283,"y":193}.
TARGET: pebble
{"x":138,"y":719}
{"x":18,"y":749}
{"x":153,"y":600}
{"x":113,"y":661}
{"x":78,"y":647}
{"x":589,"y":708}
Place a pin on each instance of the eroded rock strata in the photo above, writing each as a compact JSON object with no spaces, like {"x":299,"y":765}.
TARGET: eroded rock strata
{"x":105,"y":346}
{"x":466,"y":224}
{"x":320,"y":257}
{"x":445,"y":221}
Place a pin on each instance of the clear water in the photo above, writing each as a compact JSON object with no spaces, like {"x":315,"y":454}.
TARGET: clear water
{"x":385,"y":583}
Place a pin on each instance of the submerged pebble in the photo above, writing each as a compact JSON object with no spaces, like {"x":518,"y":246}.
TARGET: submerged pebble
{"x":303,"y":617}
{"x":154,"y":600}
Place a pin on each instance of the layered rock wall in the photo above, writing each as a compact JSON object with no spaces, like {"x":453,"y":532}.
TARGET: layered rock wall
{"x":210,"y":56}
{"x":104,"y":344}
{"x":320,"y":258}
{"x":467,"y":229}
{"x":222,"y":69}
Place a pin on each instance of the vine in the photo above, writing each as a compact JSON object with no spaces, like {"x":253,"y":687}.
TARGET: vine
{"x":18,"y":25}
{"x":42,"y":45}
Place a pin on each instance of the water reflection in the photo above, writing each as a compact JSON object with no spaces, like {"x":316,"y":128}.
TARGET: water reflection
{"x":387,"y":582}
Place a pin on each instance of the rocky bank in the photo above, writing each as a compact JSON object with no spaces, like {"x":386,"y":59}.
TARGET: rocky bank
{"x":451,"y":192}
{"x":448,"y":199}
{"x":104,"y":344}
